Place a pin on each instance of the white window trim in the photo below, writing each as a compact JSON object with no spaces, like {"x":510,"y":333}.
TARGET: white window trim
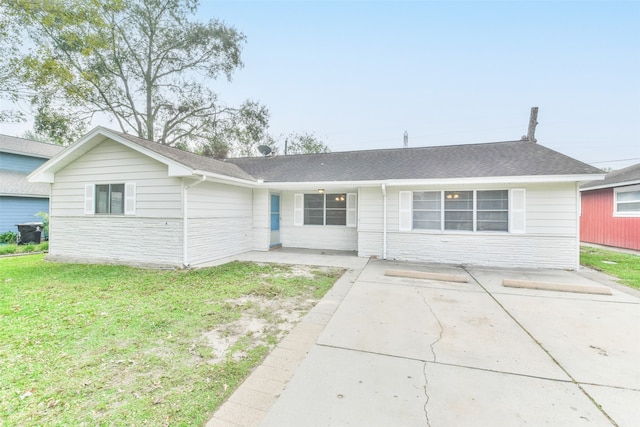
{"x":129,"y":198}
{"x":351,"y":211}
{"x":516,"y":214}
{"x":629,"y":214}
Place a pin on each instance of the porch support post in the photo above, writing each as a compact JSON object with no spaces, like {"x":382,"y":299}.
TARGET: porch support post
{"x":384,"y":221}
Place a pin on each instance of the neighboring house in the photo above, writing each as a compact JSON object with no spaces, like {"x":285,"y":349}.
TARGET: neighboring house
{"x":20,"y":199}
{"x":121,"y":199}
{"x":611,"y":209}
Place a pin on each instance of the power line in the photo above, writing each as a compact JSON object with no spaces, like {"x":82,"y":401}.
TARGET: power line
{"x":614,"y":161}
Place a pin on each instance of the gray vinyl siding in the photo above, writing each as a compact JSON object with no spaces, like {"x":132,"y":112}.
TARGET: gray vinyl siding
{"x":550,"y":240}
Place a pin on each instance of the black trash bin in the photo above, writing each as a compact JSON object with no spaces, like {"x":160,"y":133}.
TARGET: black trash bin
{"x":29,"y":233}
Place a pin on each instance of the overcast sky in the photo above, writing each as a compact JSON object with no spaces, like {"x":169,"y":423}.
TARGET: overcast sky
{"x":361,"y":73}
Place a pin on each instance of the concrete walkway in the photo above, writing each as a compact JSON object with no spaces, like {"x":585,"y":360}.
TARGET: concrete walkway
{"x":397,"y":351}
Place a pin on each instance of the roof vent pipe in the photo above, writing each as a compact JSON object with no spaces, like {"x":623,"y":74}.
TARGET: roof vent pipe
{"x":406,"y":139}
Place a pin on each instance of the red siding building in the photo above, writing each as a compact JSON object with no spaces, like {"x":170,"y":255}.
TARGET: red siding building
{"x":610,"y":212}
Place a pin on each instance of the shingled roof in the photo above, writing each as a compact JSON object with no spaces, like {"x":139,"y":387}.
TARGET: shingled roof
{"x":27,"y":147}
{"x":488,"y":160}
{"x":626,"y":176}
{"x":498,"y":159}
{"x":15,"y":184}
{"x":188,"y":159}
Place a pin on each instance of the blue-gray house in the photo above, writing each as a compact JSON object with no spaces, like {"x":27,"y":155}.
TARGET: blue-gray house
{"x":20,"y":199}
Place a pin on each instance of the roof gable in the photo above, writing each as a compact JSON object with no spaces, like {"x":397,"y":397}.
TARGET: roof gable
{"x":179,"y":163}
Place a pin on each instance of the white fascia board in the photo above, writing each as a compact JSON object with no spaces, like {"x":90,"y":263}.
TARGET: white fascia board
{"x":328,"y":185}
{"x":532,"y":179}
{"x":24,"y":153}
{"x":46,"y":171}
{"x":30,"y":196}
{"x":612,"y":185}
{"x":47,"y":177}
{"x":224,"y":179}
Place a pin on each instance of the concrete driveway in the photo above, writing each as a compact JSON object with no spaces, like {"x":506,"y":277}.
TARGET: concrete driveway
{"x":398,"y":351}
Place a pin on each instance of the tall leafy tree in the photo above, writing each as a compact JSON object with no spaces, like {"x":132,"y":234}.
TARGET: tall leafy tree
{"x":10,"y":84}
{"x":305,"y":143}
{"x":147,"y":64}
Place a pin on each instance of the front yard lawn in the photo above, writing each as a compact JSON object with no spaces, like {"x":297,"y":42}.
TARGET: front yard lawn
{"x":110,"y":345}
{"x":622,"y":265}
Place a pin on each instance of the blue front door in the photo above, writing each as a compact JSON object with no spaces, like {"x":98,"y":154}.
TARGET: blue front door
{"x":275,"y":220}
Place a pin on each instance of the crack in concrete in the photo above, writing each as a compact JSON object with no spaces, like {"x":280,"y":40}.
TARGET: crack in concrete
{"x":426,"y":393}
{"x":433,"y":352}
{"x":431,"y":346}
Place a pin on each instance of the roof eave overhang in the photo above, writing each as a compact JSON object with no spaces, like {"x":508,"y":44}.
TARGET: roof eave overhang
{"x":225,"y":179}
{"x":435,"y":181}
{"x":26,"y":153}
{"x":25,"y":195}
{"x":612,"y":185}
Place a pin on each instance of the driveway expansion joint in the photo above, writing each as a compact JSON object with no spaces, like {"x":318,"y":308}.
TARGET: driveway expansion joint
{"x":539,"y":344}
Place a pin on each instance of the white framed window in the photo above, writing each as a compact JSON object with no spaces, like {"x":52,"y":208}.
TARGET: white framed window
{"x":626,"y":201}
{"x":110,"y":199}
{"x":492,"y":210}
{"x":469,"y":210}
{"x":325,"y":209}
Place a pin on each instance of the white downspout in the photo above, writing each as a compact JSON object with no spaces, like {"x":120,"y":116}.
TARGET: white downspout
{"x":579,"y":215}
{"x":185,"y":220}
{"x":384,"y":221}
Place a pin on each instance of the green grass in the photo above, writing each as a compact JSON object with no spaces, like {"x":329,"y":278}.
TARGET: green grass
{"x":624,"y":266}
{"x":112,"y":345}
{"x":10,"y":249}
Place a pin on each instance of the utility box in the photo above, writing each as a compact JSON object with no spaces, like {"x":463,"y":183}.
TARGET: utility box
{"x":29,"y":233}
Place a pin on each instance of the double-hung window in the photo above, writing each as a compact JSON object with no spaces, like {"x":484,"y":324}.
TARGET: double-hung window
{"x":627,"y":201}
{"x":477,"y":210}
{"x":492,"y":210}
{"x":427,"y":208}
{"x":325,"y":209}
{"x":110,"y":199}
{"x":458,"y":210}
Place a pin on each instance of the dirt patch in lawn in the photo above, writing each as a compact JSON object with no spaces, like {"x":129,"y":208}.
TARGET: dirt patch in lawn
{"x":264,"y":321}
